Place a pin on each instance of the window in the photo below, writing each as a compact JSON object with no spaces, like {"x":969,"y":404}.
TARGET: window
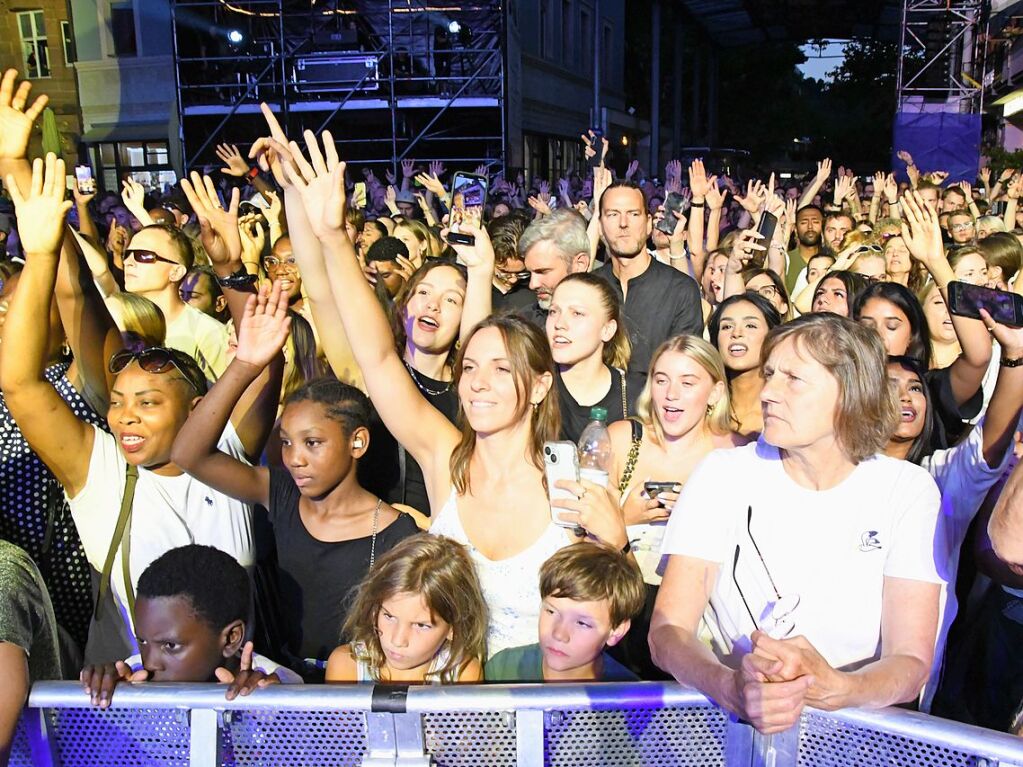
{"x":544,"y":28}
{"x":122,"y":28}
{"x":33,"y":44}
{"x":567,"y":53}
{"x":69,"y":43}
{"x":148,"y":162}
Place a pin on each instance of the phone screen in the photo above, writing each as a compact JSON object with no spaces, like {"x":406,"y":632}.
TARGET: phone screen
{"x":359,"y":194}
{"x":86,"y":183}
{"x":673,"y":203}
{"x":596,"y":141}
{"x":468,"y":197}
{"x":967,"y":300}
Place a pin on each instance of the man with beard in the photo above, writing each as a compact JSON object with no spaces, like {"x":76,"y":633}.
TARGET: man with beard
{"x":809,"y":228}
{"x":552,"y":248}
{"x":659,"y":301}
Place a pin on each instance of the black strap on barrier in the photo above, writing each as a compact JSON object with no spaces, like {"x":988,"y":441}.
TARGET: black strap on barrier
{"x":389,"y":698}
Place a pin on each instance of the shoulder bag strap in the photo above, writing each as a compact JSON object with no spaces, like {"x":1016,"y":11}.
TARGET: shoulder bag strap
{"x":630,"y":461}
{"x":121,"y":535}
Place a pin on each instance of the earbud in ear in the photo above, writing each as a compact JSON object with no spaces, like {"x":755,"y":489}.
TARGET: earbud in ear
{"x":357,"y":442}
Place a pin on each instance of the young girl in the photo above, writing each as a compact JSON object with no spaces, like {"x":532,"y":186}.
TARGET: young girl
{"x":328,"y":529}
{"x":419,"y":617}
{"x":591,"y":350}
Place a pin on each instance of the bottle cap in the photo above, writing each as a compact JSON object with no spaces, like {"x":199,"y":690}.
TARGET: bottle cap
{"x":598,"y":414}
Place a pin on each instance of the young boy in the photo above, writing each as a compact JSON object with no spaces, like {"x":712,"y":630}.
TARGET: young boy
{"x":190,"y":624}
{"x":590,"y":595}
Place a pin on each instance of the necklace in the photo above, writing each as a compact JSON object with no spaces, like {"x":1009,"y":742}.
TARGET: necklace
{"x":373,"y":540}
{"x":424,"y":389}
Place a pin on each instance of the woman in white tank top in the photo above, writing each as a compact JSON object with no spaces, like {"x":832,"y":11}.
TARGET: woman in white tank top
{"x":484,"y":478}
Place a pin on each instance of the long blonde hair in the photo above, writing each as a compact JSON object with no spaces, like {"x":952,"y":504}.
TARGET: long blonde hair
{"x":719,"y":415}
{"x":618,"y":350}
{"x":529,"y":356}
{"x":439,"y":570}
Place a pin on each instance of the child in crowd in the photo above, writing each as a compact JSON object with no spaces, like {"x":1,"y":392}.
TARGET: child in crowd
{"x":190,"y":615}
{"x":419,"y":616}
{"x":590,"y":595}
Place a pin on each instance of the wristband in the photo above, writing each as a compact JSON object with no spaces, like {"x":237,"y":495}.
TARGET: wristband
{"x":253,"y":172}
{"x":697,"y":204}
{"x":1007,"y":363}
{"x":239,"y":280}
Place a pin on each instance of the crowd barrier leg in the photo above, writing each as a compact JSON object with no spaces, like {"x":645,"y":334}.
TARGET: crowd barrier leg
{"x":738,"y":743}
{"x":395,"y":740}
{"x":778,"y":750}
{"x":40,"y":740}
{"x":529,"y":735}
{"x":204,"y":740}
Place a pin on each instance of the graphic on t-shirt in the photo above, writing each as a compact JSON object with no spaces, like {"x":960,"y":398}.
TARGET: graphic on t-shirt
{"x":869,"y":541}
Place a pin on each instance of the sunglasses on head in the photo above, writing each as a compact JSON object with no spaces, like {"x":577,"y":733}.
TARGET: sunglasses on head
{"x":158,"y":359}
{"x":147,"y":257}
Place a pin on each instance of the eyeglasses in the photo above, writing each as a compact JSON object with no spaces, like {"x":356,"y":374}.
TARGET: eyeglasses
{"x":147,"y":257}
{"x":767,"y":291}
{"x":275,"y":261}
{"x":776,"y":617}
{"x":158,"y":359}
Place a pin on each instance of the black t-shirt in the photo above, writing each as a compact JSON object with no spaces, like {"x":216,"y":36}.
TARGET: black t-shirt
{"x":516,"y":299}
{"x":951,"y":419}
{"x":574,"y":416}
{"x":318,"y":578}
{"x":380,"y":470}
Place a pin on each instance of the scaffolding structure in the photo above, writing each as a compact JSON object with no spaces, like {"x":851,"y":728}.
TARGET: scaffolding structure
{"x":391,"y":79}
{"x":941,"y":55}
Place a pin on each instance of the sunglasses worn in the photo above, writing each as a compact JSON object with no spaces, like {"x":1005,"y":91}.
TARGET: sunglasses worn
{"x":147,"y":257}
{"x":157,"y":359}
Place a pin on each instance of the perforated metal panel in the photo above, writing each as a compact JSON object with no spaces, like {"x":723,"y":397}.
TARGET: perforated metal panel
{"x":121,"y":737}
{"x":293,"y":739}
{"x":21,"y":755}
{"x":642,"y":737}
{"x":823,"y":741}
{"x":471,"y":739}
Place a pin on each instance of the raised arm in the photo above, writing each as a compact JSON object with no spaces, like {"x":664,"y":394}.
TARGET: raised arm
{"x":413,"y":421}
{"x":823,"y":174}
{"x":479,"y":261}
{"x":1003,"y":410}
{"x":264,"y":329}
{"x":52,"y":430}
{"x":311,"y":265}
{"x":922,"y":235}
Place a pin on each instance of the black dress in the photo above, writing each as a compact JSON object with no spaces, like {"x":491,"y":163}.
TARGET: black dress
{"x":574,"y":416}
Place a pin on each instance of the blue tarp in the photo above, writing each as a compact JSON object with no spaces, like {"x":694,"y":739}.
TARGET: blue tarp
{"x":938,"y":141}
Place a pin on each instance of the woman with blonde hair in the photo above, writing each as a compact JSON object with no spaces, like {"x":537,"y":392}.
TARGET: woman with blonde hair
{"x":591,"y":349}
{"x":682,"y":414}
{"x":140,"y":321}
{"x":422,"y":244}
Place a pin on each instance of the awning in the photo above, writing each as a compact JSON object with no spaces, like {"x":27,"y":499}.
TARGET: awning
{"x":127,"y":132}
{"x":1012,"y":102}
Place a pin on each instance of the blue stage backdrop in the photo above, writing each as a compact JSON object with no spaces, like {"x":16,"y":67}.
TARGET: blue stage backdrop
{"x":938,"y":141}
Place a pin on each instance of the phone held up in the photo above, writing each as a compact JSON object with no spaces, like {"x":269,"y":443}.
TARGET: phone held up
{"x":967,"y":300}
{"x":468,"y":198}
{"x":560,"y":461}
{"x":673,"y":203}
{"x":86,"y":183}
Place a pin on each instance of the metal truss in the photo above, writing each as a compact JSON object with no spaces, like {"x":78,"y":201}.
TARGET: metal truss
{"x":391,"y":79}
{"x":941,"y":57}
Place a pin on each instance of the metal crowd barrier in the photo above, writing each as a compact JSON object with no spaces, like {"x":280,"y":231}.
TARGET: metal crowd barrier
{"x":563,"y":725}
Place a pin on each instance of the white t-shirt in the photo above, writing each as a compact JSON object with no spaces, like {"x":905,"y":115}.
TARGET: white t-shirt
{"x":202,"y":338}
{"x":167,"y":512}
{"x":832,"y":549}
{"x":964,"y":479}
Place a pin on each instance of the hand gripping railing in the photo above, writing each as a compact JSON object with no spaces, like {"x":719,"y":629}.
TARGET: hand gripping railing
{"x":561,"y":725}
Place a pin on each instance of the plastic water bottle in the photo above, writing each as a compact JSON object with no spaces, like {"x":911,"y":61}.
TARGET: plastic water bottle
{"x":595,"y":448}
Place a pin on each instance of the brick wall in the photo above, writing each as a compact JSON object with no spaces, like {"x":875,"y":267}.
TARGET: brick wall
{"x":60,"y":86}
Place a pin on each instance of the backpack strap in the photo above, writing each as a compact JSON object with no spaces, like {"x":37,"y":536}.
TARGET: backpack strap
{"x":122,"y":534}
{"x":633,"y":456}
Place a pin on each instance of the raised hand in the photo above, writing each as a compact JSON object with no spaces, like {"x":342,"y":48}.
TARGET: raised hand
{"x":16,"y":121}
{"x":81,"y":198}
{"x":234,"y":163}
{"x":134,"y":195}
{"x":41,"y":208}
{"x":756,"y":196}
{"x":431,"y":182}
{"x":479,"y":255}
{"x":218,"y":227}
{"x":1015,"y":189}
{"x":589,"y":139}
{"x":391,"y":178}
{"x":564,"y":187}
{"x":673,"y":184}
{"x":938,"y":176}
{"x":673,"y":170}
{"x":437,"y":168}
{"x":273,"y":213}
{"x":744,"y":248}
{"x":408,"y":168}
{"x":253,"y":238}
{"x":1006,"y":175}
{"x":715,"y":195}
{"x":391,"y":198}
{"x":823,"y":171}
{"x":321,"y":184}
{"x":985,"y":176}
{"x":967,"y":191}
{"x":481,"y":170}
{"x":247,"y":679}
{"x":544,"y":189}
{"x":698,"y":180}
{"x":631,"y":170}
{"x":920,"y":229}
{"x":891,"y":188}
{"x":271,"y":152}
{"x":540,"y":205}
{"x":844,"y":187}
{"x":905,"y":156}
{"x":264,"y":326}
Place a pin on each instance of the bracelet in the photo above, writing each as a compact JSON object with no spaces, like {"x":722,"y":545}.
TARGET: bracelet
{"x":253,"y":172}
{"x":239,"y":280}
{"x":697,"y":204}
{"x":1007,"y":363}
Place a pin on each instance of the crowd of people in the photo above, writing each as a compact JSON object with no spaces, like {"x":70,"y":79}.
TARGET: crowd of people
{"x":276,"y":425}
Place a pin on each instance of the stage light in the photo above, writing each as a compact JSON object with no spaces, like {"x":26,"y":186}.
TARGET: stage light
{"x":454,"y":27}
{"x":235,"y":36}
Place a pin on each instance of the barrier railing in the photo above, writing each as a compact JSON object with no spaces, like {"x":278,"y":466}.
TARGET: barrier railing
{"x":465,"y":726}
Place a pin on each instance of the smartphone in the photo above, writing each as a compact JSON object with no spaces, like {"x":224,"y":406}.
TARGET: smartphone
{"x":653,"y":489}
{"x":468,"y":197}
{"x":673,"y":203}
{"x":86,"y":183}
{"x":359,"y":194}
{"x":560,"y":461}
{"x":765,"y":228}
{"x":597,"y":142}
{"x":967,"y":300}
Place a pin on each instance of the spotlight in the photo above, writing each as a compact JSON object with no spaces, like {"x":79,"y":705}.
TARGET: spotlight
{"x":235,"y":36}
{"x":454,"y":27}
